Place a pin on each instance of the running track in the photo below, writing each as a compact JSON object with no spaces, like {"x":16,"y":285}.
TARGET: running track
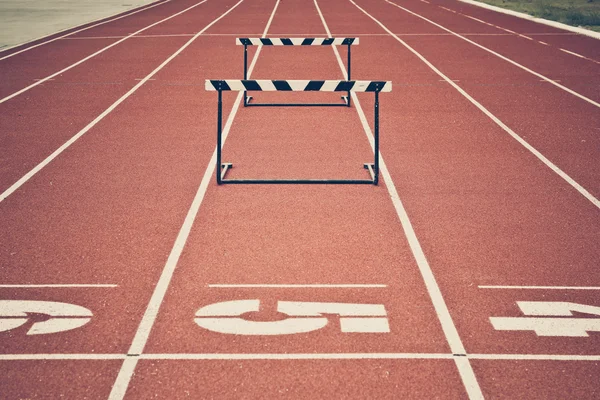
{"x":490,"y":142}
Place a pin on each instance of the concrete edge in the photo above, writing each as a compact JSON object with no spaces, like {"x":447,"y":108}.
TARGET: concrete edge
{"x":559,"y":25}
{"x":151,"y":2}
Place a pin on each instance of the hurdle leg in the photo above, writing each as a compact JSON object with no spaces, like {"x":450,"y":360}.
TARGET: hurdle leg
{"x":219,"y":136}
{"x":376,"y":150}
{"x":349,"y":76}
{"x":246,"y":97}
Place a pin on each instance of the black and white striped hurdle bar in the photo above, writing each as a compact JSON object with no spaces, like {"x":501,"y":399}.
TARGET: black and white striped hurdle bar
{"x":296,"y":41}
{"x":323,"y":41}
{"x":242,"y":85}
{"x":263,"y":85}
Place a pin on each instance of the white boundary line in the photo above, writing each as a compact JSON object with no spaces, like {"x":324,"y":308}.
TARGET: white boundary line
{"x":59,"y":285}
{"x":296,"y":356}
{"x":558,"y":85}
{"x":581,"y":31}
{"x":144,"y":8}
{"x":539,"y":287}
{"x":293,"y":286}
{"x":143,"y":332}
{"x":447,"y":324}
{"x":96,"y":53}
{"x":501,"y":124}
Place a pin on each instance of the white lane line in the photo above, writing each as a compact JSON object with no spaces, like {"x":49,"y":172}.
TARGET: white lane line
{"x":294,"y":286}
{"x":72,"y":33}
{"x":58,"y":285}
{"x":501,"y":124}
{"x":478,"y":20}
{"x":96,"y":53}
{"x":575,"y":54}
{"x":164,"y":36}
{"x":61,"y":356}
{"x":295,"y":356}
{"x":89,"y":126}
{"x":566,"y":89}
{"x":450,"y":332}
{"x":539,"y":287}
{"x":549,"y":357}
{"x":143,"y":332}
{"x":447,"y":9}
{"x":526,"y":37}
{"x":544,"y":43}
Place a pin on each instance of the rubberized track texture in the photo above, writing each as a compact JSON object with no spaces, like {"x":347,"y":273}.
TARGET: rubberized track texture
{"x":470,"y":271}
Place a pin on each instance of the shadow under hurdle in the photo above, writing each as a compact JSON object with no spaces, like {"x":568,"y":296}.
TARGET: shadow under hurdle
{"x":349,"y":42}
{"x":298,"y":86}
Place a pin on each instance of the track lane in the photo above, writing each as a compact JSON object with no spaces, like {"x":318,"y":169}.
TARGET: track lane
{"x":319,"y":379}
{"x":54,"y":379}
{"x":532,"y":109}
{"x":582,"y":44}
{"x":107,"y":212}
{"x":576,"y":73}
{"x":507,"y":220}
{"x":63,"y":68}
{"x":83,"y":94}
{"x":294,"y":234}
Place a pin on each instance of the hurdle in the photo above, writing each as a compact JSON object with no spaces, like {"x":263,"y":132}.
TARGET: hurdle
{"x":296,"y":42}
{"x":297,"y":86}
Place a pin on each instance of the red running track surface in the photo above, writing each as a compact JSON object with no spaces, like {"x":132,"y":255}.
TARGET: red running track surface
{"x":404,"y":288}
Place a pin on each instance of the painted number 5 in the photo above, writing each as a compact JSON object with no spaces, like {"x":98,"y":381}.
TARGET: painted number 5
{"x":226,"y":317}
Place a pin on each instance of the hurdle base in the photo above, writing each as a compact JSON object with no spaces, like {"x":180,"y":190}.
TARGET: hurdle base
{"x":345,"y":99}
{"x":227,"y":166}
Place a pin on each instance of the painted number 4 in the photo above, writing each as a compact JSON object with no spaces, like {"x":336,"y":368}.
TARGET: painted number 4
{"x":226,"y":317}
{"x":554,"y":323}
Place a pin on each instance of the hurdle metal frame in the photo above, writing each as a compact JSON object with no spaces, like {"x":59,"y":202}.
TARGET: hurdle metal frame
{"x":349,"y":42}
{"x":297,"y":85}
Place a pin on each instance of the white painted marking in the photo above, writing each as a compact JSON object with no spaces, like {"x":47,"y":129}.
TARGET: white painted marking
{"x":544,"y":43}
{"x":297,"y":356}
{"x":526,"y":37}
{"x":570,"y":327}
{"x":295,"y":286}
{"x":141,"y":336}
{"x":570,"y":52}
{"x":145,"y":36}
{"x":540,"y":287}
{"x":240,"y":326}
{"x":566,"y":89}
{"x":447,"y":9}
{"x":58,"y":285}
{"x":476,"y":19}
{"x":364,"y":325}
{"x":425,"y":1}
{"x":518,"y":138}
{"x":224,"y":317}
{"x":64,"y":316}
{"x":450,"y":332}
{"x":95,"y":54}
{"x":72,"y":33}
